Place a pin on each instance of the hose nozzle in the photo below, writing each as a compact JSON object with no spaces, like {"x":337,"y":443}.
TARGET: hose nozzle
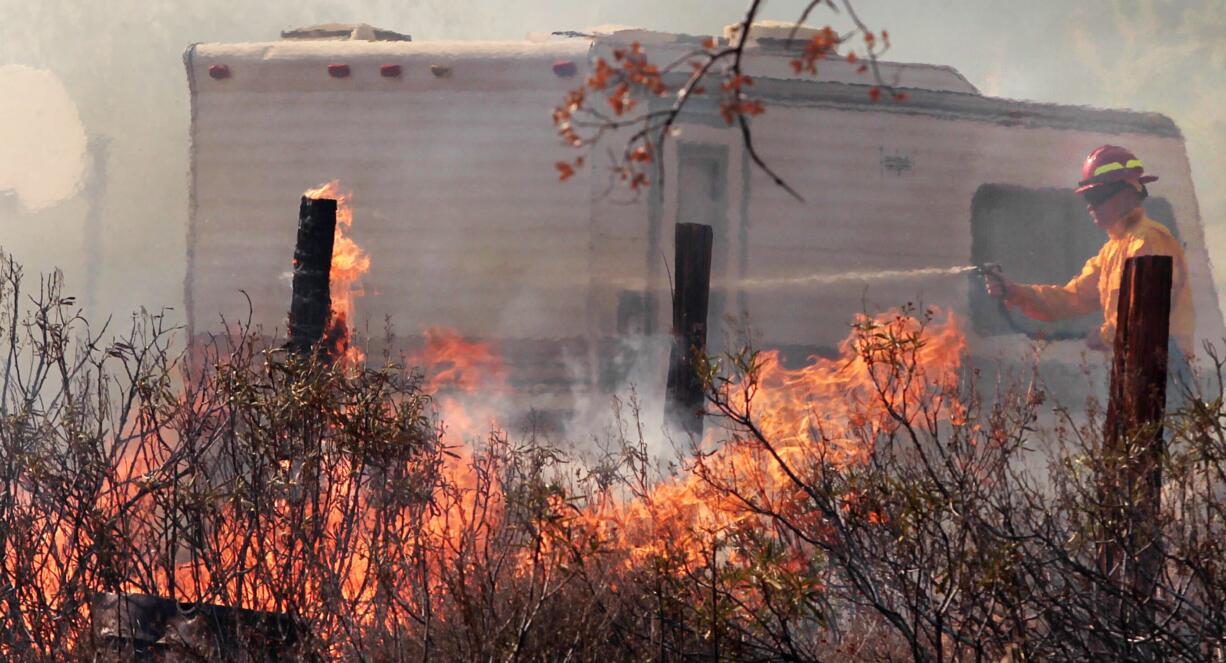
{"x":990,"y":269}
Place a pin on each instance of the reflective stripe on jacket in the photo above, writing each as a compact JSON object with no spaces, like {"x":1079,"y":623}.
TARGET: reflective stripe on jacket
{"x":1098,"y":284}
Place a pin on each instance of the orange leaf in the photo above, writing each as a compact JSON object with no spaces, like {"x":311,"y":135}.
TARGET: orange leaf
{"x":708,"y":43}
{"x":737,"y":81}
{"x":565,"y":170}
{"x":599,"y":78}
{"x":874,"y":93}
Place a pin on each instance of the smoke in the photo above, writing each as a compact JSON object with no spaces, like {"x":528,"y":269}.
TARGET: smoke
{"x":631,"y":408}
{"x":1147,"y":55}
{"x":1170,"y":58}
{"x":43,"y":136}
{"x":43,"y":161}
{"x":120,"y":65}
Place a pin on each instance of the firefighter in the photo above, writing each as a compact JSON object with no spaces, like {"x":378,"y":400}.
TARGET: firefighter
{"x":1113,"y":183}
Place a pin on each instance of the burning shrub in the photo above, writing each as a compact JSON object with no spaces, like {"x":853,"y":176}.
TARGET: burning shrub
{"x":937,"y":537}
{"x":241,"y":477}
{"x":873,"y":505}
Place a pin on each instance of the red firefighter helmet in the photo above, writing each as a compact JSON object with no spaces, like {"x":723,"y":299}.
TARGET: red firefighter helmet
{"x":1111,"y":163}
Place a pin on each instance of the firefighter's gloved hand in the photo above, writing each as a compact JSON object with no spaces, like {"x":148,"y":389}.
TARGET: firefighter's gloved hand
{"x":997,"y":284}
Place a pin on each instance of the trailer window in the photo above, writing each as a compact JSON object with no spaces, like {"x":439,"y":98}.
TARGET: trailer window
{"x":1039,"y":236}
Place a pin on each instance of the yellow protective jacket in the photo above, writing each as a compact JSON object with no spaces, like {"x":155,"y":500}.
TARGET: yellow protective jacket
{"x":1098,"y":284}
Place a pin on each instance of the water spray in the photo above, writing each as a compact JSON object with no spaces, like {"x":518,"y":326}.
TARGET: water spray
{"x":990,"y":270}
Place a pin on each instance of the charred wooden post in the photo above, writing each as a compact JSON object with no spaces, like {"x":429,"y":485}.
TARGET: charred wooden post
{"x":691,"y":295}
{"x":137,"y":627}
{"x":312,"y":304}
{"x":1133,"y":438}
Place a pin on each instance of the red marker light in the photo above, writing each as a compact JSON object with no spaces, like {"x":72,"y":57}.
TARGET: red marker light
{"x":338,"y":70}
{"x":219,"y":71}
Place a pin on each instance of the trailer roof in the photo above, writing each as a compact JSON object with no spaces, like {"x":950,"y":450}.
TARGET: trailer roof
{"x":932,"y":89}
{"x":321,"y":49}
{"x":344,"y":31}
{"x":768,"y":58}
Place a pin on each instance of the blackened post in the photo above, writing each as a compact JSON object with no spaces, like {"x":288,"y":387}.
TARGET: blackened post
{"x":1132,"y":438}
{"x":691,"y":294}
{"x":312,"y":304}
{"x":138,"y":627}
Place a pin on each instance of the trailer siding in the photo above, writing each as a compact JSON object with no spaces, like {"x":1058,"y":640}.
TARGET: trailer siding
{"x":861,"y":216}
{"x":456,"y":200}
{"x":453,"y":192}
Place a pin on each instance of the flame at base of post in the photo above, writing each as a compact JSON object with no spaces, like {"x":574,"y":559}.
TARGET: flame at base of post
{"x":349,"y":262}
{"x":311,"y":303}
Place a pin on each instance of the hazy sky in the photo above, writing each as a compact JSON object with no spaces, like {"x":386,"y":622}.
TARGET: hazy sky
{"x":120,"y":63}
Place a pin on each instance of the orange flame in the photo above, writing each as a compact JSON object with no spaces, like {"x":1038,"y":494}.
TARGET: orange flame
{"x":349,"y":264}
{"x":796,"y":408}
{"x":829,"y":410}
{"x":460,"y":373}
{"x":457,"y":372}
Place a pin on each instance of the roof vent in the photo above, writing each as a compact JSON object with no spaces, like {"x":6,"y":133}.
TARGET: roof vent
{"x":343,"y":32}
{"x":776,"y":34}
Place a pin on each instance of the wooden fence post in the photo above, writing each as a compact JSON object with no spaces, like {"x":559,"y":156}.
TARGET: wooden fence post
{"x":1133,"y":437}
{"x":138,"y":627}
{"x":311,"y":304}
{"x":691,"y":295}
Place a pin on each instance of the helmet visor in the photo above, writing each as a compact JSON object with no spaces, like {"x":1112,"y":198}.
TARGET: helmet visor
{"x":1100,"y":194}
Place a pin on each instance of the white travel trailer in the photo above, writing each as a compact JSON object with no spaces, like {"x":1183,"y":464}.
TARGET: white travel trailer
{"x":448,"y":150}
